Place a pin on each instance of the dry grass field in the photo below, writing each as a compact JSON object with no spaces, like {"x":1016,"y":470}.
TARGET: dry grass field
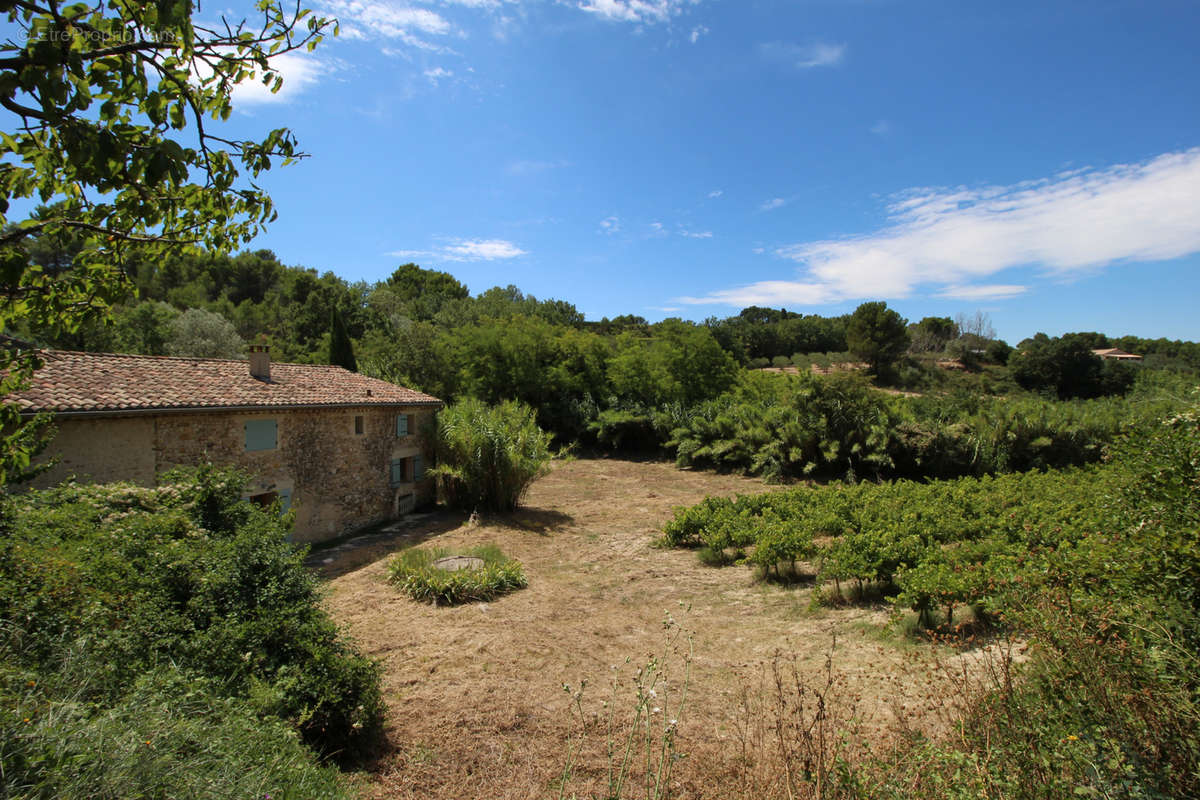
{"x":476,"y":705}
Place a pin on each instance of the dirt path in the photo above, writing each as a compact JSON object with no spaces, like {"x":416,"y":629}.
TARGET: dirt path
{"x":475,"y":698}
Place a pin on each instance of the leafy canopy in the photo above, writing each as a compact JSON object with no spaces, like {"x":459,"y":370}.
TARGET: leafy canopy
{"x":112,"y":124}
{"x":877,"y":335}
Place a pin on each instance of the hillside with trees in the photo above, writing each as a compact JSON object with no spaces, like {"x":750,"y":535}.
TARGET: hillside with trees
{"x":686,"y":390}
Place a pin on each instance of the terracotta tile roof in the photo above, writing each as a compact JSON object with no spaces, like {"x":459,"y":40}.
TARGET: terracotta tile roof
{"x":111,"y":382}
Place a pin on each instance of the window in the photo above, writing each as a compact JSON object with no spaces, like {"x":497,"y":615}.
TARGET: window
{"x":358,"y":425}
{"x":261,"y":434}
{"x":404,"y":425}
{"x":264,"y":500}
{"x":406,"y":470}
{"x":267,"y":499}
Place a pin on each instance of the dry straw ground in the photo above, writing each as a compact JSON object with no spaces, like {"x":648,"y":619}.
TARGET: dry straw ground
{"x":476,"y":706}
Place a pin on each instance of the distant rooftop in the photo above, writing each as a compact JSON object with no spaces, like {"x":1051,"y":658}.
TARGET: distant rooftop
{"x":1117,"y":353}
{"x":108,"y":382}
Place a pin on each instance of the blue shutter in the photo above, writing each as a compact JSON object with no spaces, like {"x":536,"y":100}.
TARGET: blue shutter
{"x":418,"y":468}
{"x":285,"y":501}
{"x":402,"y":425}
{"x":260,"y":434}
{"x":397,"y":471}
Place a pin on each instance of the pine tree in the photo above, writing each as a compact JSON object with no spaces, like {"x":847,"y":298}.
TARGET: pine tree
{"x":341,"y":349}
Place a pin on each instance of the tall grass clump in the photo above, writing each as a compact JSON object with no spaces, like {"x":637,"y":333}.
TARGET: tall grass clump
{"x":630,"y":747}
{"x":166,"y":736}
{"x":489,"y":455}
{"x":415,"y":572}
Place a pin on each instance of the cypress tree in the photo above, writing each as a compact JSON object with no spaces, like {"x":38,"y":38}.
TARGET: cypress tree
{"x":341,"y":349}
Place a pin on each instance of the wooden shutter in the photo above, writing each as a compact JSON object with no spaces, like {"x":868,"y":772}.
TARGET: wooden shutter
{"x":261,"y":434}
{"x":401,"y":425}
{"x":397,"y":471}
{"x":418,"y":468}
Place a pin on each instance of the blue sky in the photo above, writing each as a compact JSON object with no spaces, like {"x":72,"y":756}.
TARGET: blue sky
{"x":1037,"y":161}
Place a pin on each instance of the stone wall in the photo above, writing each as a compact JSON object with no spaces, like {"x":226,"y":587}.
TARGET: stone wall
{"x":99,"y":450}
{"x":336,"y":480}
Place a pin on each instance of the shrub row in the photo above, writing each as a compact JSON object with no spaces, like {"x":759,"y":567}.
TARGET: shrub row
{"x":936,"y":545}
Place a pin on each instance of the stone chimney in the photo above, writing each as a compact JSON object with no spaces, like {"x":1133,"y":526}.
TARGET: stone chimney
{"x":260,"y":362}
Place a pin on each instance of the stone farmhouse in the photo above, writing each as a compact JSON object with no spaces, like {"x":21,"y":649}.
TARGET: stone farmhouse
{"x":341,"y":450}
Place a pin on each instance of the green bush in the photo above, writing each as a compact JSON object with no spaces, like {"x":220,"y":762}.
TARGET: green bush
{"x":488,"y":455}
{"x":782,"y":425}
{"x":188,"y":574}
{"x":413,"y":571}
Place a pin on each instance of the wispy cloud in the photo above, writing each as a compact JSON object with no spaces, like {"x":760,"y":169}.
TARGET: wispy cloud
{"x":772,"y":204}
{"x":635,"y":10}
{"x":714,"y":194}
{"x":438,"y":74}
{"x":696,"y":234}
{"x":804,"y":56}
{"x":466,"y":250}
{"x":989,"y":291}
{"x":697,"y":32}
{"x":610,"y":225}
{"x":949,"y":241}
{"x":881,"y":128}
{"x":369,"y":19}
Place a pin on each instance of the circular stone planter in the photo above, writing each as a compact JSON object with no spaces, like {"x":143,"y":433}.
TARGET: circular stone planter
{"x":456,"y":563}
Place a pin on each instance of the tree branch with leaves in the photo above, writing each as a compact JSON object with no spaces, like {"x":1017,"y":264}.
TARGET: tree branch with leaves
{"x":112,"y":124}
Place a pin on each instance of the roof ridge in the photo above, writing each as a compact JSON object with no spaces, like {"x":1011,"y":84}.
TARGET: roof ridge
{"x":94,"y":354}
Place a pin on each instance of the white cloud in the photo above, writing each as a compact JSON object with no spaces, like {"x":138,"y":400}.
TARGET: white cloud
{"x":634,"y":10}
{"x":437,"y":73}
{"x":697,"y":234}
{"x":697,"y":32}
{"x":764,"y":293}
{"x":298,"y":70}
{"x":466,"y":250}
{"x":610,"y":225}
{"x":715,"y":193}
{"x":804,"y":56}
{"x":952,"y":240}
{"x":483,"y":250}
{"x":772,"y":204}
